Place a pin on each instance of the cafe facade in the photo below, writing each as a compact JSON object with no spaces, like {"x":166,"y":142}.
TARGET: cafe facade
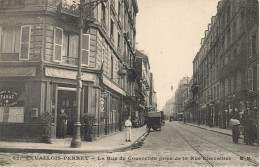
{"x":39,"y":60}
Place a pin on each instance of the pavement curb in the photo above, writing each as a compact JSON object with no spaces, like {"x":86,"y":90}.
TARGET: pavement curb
{"x":213,"y":130}
{"x":72,"y":150}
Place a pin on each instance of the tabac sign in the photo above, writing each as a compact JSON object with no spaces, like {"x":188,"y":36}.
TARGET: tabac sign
{"x":8,"y":98}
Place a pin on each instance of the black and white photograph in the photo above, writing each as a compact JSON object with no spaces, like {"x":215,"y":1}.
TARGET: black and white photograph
{"x":129,"y":83}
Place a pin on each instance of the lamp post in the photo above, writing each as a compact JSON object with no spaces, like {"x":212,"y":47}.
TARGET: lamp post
{"x":76,"y":140}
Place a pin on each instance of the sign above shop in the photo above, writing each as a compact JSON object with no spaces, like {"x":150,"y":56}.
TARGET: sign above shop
{"x":68,"y":74}
{"x":8,"y":97}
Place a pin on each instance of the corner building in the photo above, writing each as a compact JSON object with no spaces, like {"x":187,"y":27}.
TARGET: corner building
{"x":39,"y":58}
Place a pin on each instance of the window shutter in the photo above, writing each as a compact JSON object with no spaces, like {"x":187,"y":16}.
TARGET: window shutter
{"x":25,"y":42}
{"x":58,"y":40}
{"x":257,"y":76}
{"x":250,"y":81}
{"x":85,"y":49}
{"x":1,"y":40}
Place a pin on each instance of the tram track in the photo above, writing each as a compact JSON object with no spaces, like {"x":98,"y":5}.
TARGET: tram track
{"x":222,"y":147}
{"x":203,"y":157}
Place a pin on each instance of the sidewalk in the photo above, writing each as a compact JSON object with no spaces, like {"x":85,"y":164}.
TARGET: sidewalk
{"x":215,"y":129}
{"x":110,"y":143}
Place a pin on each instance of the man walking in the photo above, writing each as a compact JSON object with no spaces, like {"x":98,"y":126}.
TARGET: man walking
{"x":128,"y":126}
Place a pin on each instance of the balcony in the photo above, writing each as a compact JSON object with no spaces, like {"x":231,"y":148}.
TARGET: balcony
{"x":195,"y":87}
{"x":70,"y":60}
{"x":131,"y":74}
{"x":236,"y":63}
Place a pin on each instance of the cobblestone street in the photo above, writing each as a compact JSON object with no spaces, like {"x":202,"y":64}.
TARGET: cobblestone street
{"x":176,"y":145}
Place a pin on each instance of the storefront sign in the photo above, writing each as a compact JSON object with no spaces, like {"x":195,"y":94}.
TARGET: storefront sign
{"x":8,"y":97}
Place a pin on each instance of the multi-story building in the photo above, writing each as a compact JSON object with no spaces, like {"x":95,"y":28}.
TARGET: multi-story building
{"x":142,"y":85}
{"x":39,"y":58}
{"x":153,"y":95}
{"x":225,"y":68}
{"x":182,"y":97}
{"x":168,"y":108}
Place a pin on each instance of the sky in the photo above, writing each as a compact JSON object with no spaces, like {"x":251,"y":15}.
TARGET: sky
{"x":169,"y":32}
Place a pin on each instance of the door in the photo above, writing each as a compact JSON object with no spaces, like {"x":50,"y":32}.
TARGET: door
{"x":67,"y":102}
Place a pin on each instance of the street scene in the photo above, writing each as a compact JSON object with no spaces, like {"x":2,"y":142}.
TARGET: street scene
{"x":129,"y":83}
{"x":177,"y":144}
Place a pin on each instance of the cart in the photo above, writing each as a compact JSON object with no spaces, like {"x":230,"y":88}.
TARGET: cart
{"x":154,"y":121}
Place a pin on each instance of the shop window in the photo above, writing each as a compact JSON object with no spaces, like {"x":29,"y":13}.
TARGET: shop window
{"x":12,"y":105}
{"x":85,"y":49}
{"x":58,"y":40}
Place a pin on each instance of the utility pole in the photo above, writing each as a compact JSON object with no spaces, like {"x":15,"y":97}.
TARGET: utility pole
{"x":76,"y":140}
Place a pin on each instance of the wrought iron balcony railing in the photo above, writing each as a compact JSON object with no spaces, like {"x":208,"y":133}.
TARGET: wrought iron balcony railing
{"x":69,"y":60}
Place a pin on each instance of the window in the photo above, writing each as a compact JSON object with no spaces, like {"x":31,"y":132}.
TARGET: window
{"x":118,"y":40}
{"x":85,"y":49}
{"x":254,"y":45}
{"x":25,"y":42}
{"x":70,"y":48}
{"x":102,"y":55}
{"x":112,"y":66}
{"x":10,"y":39}
{"x":255,"y":78}
{"x":112,"y":29}
{"x":58,"y":40}
{"x":103,"y":12}
{"x":250,"y":79}
{"x":16,"y":41}
{"x":119,"y":10}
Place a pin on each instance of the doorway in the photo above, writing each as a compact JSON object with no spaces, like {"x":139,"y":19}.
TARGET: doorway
{"x":66,"y":102}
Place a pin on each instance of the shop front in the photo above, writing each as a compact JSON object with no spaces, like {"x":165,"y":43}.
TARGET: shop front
{"x":19,"y":109}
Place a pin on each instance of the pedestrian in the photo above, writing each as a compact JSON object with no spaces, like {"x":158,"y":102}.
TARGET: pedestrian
{"x":248,"y":130}
{"x":63,"y":126}
{"x":128,"y":126}
{"x":234,"y":122}
{"x":148,"y":125}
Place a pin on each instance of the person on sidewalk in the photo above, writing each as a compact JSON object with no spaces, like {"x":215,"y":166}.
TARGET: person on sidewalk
{"x":248,"y":130}
{"x":234,"y":122}
{"x":128,"y":126}
{"x":63,"y":126}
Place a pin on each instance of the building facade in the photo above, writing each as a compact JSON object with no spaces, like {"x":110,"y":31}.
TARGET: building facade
{"x":142,"y":86}
{"x":225,"y":70}
{"x":39,"y":59}
{"x":182,"y":97}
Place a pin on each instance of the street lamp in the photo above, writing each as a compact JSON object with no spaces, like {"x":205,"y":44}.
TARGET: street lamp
{"x":76,"y":141}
